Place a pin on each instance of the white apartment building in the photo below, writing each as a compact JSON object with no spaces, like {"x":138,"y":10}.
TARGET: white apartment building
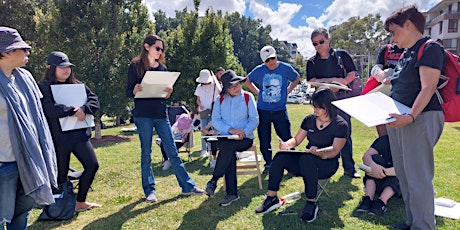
{"x":442,"y":23}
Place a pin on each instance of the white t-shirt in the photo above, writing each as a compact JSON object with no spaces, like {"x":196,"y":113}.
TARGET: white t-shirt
{"x":6,"y":150}
{"x":205,"y":92}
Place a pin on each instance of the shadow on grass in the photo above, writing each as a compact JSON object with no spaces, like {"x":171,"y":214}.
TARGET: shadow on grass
{"x":108,"y":140}
{"x":328,"y":216}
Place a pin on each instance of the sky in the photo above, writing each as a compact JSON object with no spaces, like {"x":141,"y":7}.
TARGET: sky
{"x":294,"y":20}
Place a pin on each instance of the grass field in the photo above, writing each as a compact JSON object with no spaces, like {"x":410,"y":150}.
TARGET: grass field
{"x":117,"y":187}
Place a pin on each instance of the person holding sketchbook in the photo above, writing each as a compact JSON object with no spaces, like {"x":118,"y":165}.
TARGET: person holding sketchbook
{"x":234,"y":113}
{"x":150,"y":113}
{"x":76,"y":141}
{"x":324,"y":128}
{"x":414,"y":135}
{"x":331,"y":65}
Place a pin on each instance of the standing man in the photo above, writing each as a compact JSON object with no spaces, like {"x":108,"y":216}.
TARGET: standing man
{"x":331,"y":65}
{"x":218,"y":72}
{"x":272,"y":78}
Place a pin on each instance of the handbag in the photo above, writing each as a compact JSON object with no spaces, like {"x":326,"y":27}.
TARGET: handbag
{"x":206,"y":114}
{"x":64,"y":206}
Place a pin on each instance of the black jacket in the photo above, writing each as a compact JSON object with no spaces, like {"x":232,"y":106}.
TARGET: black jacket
{"x":55,"y":111}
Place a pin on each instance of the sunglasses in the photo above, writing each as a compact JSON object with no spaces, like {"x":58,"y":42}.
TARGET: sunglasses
{"x":319,"y":43}
{"x":158,"y":49}
{"x":272,"y":58}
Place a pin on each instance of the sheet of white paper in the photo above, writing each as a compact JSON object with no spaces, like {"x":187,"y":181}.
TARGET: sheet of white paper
{"x":221,"y":136}
{"x":329,"y":85}
{"x":154,"y":83}
{"x":72,"y":95}
{"x":452,"y":212}
{"x":372,"y":109}
{"x":385,"y":89}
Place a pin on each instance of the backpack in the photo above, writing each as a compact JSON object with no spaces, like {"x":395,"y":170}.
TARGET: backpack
{"x":448,"y":92}
{"x":356,"y":85}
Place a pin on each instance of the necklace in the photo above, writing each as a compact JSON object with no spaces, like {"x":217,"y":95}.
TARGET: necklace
{"x":321,"y":125}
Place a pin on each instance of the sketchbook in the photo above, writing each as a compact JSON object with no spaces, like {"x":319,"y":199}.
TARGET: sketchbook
{"x":154,"y":83}
{"x":333,"y":84}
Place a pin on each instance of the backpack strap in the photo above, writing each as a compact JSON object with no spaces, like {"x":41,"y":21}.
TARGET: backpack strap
{"x":245,"y":94}
{"x":340,"y":62}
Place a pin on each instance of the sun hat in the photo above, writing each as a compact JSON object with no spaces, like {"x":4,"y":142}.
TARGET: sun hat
{"x":183,"y":121}
{"x":267,"y":52}
{"x":205,"y":76}
{"x":229,"y":78}
{"x":11,"y":40}
{"x":60,"y":59}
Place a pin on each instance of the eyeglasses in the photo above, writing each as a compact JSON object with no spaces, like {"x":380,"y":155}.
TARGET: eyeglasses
{"x":269,"y":59}
{"x":319,"y":43}
{"x":158,"y":49}
{"x":234,"y":86}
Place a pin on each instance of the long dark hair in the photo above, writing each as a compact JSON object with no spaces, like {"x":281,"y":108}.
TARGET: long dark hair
{"x":50,"y":76}
{"x":322,"y":98}
{"x":142,"y":61}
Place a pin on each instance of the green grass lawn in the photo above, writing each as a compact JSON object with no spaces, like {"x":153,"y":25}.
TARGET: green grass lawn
{"x":117,"y":187}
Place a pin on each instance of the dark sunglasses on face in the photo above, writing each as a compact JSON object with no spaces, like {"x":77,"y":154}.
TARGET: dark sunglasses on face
{"x":318,"y":43}
{"x":158,"y":49}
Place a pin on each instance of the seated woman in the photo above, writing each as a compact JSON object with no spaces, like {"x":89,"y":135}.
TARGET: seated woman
{"x":180,"y":129}
{"x":323,"y":129}
{"x":209,"y":131}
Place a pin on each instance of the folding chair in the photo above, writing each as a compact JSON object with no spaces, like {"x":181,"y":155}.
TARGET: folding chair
{"x":173,"y":111}
{"x":322,"y":183}
{"x":74,"y":177}
{"x":248,"y":163}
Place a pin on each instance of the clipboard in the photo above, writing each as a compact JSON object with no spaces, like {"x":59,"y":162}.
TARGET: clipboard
{"x":154,"y":83}
{"x":72,"y":95}
{"x":220,"y":136}
{"x":333,"y":84}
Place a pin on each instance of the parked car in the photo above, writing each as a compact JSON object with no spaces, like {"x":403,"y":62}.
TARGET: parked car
{"x":293,"y":99}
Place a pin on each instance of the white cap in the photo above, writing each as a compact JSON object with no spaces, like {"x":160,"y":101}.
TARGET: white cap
{"x":267,"y":52}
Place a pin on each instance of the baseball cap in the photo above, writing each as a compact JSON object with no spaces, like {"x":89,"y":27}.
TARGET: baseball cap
{"x":60,"y":59}
{"x":267,"y":52}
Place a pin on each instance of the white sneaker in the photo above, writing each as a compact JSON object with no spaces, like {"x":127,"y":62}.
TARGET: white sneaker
{"x":151,"y":198}
{"x":204,"y":154}
{"x":212,"y":164}
{"x":166,"y":165}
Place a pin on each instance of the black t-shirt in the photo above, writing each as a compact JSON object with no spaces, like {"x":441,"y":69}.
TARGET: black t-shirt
{"x":329,"y":68}
{"x":382,"y":145}
{"x":406,"y":83}
{"x":145,"y":107}
{"x":394,"y":53}
{"x":338,"y":128}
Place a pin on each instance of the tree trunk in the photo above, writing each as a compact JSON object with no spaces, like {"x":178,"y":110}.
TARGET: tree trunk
{"x":97,"y":129}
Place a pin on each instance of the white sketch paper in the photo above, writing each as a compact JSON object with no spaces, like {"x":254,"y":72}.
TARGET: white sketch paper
{"x":72,"y":95}
{"x":154,"y":83}
{"x":372,"y":109}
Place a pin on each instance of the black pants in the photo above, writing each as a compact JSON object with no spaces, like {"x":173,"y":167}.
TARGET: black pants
{"x":310,"y":167}
{"x":84,"y":152}
{"x":226,"y":162}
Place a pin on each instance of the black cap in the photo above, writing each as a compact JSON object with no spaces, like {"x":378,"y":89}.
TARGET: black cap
{"x":60,"y":59}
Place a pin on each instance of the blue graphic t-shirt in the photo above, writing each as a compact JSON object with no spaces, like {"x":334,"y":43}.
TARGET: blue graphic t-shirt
{"x":272,"y":85}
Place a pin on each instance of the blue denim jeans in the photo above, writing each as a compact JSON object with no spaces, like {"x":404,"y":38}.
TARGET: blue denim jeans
{"x":14,"y":204}
{"x":348,"y":163}
{"x":204,"y":144}
{"x":163,"y":128}
{"x":282,"y":126}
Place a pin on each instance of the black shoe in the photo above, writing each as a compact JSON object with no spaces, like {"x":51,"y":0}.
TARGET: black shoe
{"x":365,"y":205}
{"x":378,"y":208}
{"x":309,"y":212}
{"x":228,"y":199}
{"x":211,"y":188}
{"x":401,"y":225}
{"x":352,"y":174}
{"x":270,"y":203}
{"x":266,"y":170}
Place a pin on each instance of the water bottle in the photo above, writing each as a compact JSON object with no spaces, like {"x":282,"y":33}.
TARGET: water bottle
{"x":289,"y":198}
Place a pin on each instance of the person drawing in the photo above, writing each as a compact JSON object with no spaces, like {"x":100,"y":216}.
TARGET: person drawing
{"x":59,"y":72}
{"x":27,"y":157}
{"x":152,"y":58}
{"x":323,"y":128}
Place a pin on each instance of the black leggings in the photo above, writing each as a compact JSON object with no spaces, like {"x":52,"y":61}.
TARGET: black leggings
{"x":84,"y":152}
{"x":310,"y":167}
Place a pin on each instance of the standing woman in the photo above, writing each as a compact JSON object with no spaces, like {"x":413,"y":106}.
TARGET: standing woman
{"x":413,"y":136}
{"x":151,"y":112}
{"x":75,"y":141}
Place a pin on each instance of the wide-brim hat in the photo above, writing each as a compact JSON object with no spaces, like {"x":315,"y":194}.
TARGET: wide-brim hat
{"x":205,"y":76}
{"x":229,"y":78}
{"x":11,"y":40}
{"x":60,"y":59}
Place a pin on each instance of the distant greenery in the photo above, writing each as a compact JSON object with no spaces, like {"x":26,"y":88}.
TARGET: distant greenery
{"x":117,"y":187}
